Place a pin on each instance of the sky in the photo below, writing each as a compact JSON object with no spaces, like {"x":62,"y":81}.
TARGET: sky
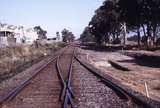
{"x":51,"y":15}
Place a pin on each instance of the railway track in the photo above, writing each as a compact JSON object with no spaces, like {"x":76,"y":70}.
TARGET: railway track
{"x":133,"y":101}
{"x":36,"y":91}
{"x":64,"y":69}
{"x":42,"y":89}
{"x":65,"y":83}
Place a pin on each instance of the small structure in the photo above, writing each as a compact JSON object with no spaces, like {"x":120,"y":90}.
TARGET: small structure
{"x":47,"y":41}
{"x":16,"y":35}
{"x":7,"y":38}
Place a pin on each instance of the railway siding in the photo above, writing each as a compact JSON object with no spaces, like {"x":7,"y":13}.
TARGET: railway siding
{"x":141,"y":98}
{"x":91,"y":92}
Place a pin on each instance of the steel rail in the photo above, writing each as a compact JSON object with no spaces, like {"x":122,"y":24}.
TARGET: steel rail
{"x":25,"y":83}
{"x":14,"y":92}
{"x":69,"y":93}
{"x":122,"y":92}
{"x":66,"y":95}
{"x":62,"y":81}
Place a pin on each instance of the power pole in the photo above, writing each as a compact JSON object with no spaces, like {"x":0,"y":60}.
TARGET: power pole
{"x":124,"y":30}
{"x":58,"y":36}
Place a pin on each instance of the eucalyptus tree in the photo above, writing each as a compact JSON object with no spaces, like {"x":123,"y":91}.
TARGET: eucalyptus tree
{"x":141,"y":13}
{"x":104,"y":22}
{"x":152,"y":15}
{"x":87,"y":36}
{"x":130,"y":12}
{"x":41,"y":33}
{"x":23,"y":39}
{"x":57,"y":35}
{"x":67,"y":36}
{"x":64,"y":35}
{"x":2,"y":25}
{"x":29,"y":30}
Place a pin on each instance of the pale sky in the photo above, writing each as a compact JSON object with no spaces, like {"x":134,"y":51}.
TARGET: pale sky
{"x":51,"y":15}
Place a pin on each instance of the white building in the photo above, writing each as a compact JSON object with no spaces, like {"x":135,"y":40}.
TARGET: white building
{"x":28,"y":36}
{"x":19,"y":35}
{"x":7,"y":38}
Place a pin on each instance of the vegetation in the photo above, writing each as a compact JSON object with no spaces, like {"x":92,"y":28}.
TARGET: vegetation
{"x":17,"y":58}
{"x":67,"y":36}
{"x":57,"y":35}
{"x":87,"y":36}
{"x":41,"y":33}
{"x":140,"y":16}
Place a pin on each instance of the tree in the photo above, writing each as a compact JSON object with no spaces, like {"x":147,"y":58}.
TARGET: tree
{"x":41,"y":33}
{"x":105,"y":22}
{"x":141,"y":14}
{"x":67,"y":36}
{"x":57,"y":35}
{"x":23,"y":39}
{"x":87,"y":35}
{"x":3,"y":25}
{"x":137,"y":15}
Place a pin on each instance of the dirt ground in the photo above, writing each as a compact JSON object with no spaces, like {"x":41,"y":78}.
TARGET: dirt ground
{"x":138,"y":76}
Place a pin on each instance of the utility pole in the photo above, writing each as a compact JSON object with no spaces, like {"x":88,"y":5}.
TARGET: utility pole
{"x":23,"y":34}
{"x":58,"y":36}
{"x":124,"y":30}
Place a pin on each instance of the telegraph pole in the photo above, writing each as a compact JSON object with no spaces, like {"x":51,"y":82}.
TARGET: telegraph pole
{"x":124,"y":30}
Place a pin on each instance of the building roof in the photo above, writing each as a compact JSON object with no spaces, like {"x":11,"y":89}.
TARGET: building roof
{"x":6,"y":32}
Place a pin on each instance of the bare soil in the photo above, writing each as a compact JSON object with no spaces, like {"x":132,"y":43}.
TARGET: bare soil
{"x":90,"y":92}
{"x":135,"y":79}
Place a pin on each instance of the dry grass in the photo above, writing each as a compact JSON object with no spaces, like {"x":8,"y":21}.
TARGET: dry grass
{"x":15,"y":59}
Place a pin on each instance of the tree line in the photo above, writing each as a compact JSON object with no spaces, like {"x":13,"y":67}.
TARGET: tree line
{"x":118,"y":17}
{"x":67,"y":36}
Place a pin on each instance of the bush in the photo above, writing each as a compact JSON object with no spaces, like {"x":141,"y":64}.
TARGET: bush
{"x":16,"y":59}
